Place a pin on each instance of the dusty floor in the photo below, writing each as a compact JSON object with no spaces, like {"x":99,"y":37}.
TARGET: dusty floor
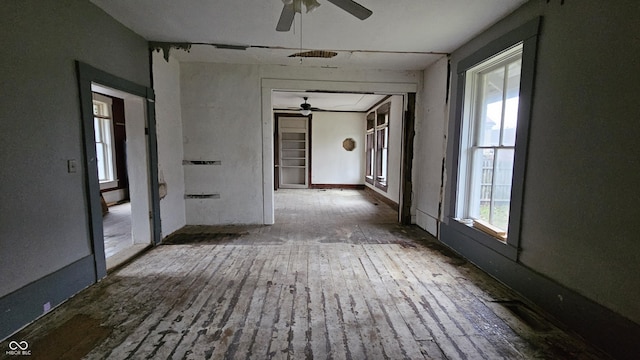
{"x":335,"y":278}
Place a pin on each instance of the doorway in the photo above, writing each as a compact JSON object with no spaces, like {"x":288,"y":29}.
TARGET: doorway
{"x":141,"y":153}
{"x":269,"y":87}
{"x":292,"y":154}
{"x":122,"y":160}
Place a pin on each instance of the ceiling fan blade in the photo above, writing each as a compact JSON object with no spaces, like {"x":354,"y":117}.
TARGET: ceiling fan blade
{"x":286,"y":18}
{"x":352,"y":8}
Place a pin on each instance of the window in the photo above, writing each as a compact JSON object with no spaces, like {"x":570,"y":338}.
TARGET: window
{"x":105,"y":149}
{"x":370,"y":146}
{"x":378,"y":146}
{"x":382,"y":145}
{"x":490,"y":117}
{"x":486,"y":157}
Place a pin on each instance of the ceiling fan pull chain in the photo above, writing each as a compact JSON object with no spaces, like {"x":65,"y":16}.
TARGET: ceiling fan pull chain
{"x":300,"y":36}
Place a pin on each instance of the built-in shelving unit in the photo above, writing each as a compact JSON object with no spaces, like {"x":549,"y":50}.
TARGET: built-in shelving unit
{"x":294,"y":152}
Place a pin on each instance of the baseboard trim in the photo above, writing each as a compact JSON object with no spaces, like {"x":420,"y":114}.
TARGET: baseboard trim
{"x":337,"y":186}
{"x":602,"y":327}
{"x":394,"y":205}
{"x":23,"y":306}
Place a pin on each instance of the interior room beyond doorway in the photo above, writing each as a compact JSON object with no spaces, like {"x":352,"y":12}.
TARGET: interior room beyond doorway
{"x":122,"y":171}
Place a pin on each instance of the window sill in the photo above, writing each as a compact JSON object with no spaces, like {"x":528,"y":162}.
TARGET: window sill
{"x":369,"y":179}
{"x":381,"y":186}
{"x":109,"y":184}
{"x":499,"y":245}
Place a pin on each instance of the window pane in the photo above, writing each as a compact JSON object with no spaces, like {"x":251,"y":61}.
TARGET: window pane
{"x":481,"y":180}
{"x":371,"y":119}
{"x":107,"y":131}
{"x":491,"y":112}
{"x":97,"y":128}
{"x":511,"y":106}
{"x":101,"y":164}
{"x":370,"y":159}
{"x":502,"y":188}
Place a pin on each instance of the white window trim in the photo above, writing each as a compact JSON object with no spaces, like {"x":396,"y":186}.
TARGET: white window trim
{"x":113,"y":182}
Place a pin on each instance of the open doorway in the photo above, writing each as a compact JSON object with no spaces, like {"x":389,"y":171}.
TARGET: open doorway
{"x":355,"y":141}
{"x":142,"y":175}
{"x":269,"y":87}
{"x":122,"y":163}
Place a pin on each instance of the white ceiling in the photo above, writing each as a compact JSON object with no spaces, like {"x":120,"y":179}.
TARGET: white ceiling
{"x":399,"y":35}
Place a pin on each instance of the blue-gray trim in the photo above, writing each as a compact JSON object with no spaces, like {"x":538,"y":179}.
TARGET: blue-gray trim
{"x":24,"y":305}
{"x":602,"y":327}
{"x":528,"y":35}
{"x":87,"y":75}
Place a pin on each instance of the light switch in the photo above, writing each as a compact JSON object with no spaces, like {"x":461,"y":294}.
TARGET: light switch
{"x":72,"y":166}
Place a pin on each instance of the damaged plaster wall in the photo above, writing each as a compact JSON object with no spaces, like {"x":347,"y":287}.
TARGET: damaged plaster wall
{"x":166,"y":83}
{"x":221,"y":122}
{"x":430,"y":142}
{"x":222,"y":118}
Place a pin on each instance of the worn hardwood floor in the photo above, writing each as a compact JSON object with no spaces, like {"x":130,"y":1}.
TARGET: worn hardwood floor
{"x":335,"y":278}
{"x":117,"y":229}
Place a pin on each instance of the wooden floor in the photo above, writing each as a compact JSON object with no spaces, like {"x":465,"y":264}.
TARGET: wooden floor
{"x":117,"y":229}
{"x":335,"y":278}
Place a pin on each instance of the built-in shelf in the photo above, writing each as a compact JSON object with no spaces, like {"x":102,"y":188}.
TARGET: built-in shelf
{"x":294,"y":152}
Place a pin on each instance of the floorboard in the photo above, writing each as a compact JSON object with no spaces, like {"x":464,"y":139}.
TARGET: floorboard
{"x":335,"y":278}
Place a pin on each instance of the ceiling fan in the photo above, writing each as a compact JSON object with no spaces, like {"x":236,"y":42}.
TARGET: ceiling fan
{"x":291,"y":7}
{"x":305,"y":107}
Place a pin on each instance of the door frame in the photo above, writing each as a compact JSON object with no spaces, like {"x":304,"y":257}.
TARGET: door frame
{"x":268,"y":85}
{"x":276,"y":146}
{"x":87,"y":75}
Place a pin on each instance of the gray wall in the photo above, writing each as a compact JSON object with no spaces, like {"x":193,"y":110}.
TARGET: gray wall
{"x":581,"y":194}
{"x":44,"y":222}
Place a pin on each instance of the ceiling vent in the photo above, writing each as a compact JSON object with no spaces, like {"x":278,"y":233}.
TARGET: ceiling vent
{"x":315,"y":54}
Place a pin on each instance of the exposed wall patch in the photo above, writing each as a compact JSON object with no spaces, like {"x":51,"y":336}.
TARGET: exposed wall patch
{"x":202,"y":196}
{"x":201,"y":162}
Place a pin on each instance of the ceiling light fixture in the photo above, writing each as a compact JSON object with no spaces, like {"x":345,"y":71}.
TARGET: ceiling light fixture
{"x":305,"y":108}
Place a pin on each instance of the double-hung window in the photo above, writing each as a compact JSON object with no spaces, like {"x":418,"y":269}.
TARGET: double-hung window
{"x":487,"y":154}
{"x":370,"y":139}
{"x":105,"y":147}
{"x":492,"y":93}
{"x":382,"y":145}
{"x":377,"y":138}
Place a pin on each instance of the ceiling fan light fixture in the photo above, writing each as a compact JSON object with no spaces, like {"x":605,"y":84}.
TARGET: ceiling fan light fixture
{"x":305,"y":108}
